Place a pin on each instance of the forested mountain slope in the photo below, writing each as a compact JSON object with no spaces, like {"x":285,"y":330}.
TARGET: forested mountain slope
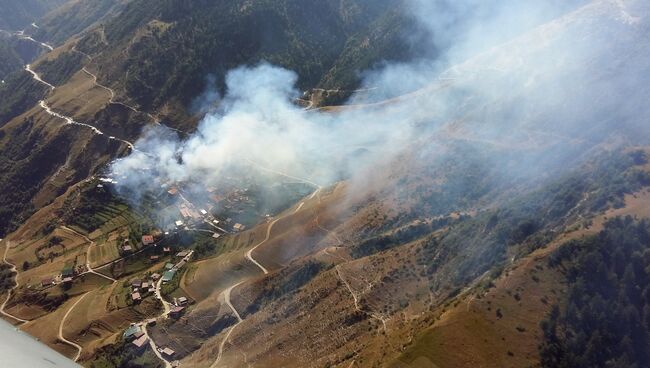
{"x":17,"y":15}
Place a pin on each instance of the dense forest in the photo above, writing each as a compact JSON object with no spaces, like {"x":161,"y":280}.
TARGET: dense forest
{"x":605,"y":320}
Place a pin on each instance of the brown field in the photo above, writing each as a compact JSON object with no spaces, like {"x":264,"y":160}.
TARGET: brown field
{"x":46,"y":329}
{"x":92,"y":325}
{"x":210,"y":277}
{"x":101,"y":254}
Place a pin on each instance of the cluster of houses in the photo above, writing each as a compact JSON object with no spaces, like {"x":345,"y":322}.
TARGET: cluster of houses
{"x":68,"y":274}
{"x":136,"y":336}
{"x":179,"y":306}
{"x":140,"y":288}
{"x":190,"y":214}
{"x":147,"y":239}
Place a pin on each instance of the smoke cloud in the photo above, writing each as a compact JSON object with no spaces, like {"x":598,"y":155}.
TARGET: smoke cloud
{"x":493,"y":76}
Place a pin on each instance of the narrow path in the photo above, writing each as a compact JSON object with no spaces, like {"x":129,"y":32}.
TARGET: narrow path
{"x":306,"y":181}
{"x":166,"y":306}
{"x":68,"y":119}
{"x":37,"y":77}
{"x":356,"y":300}
{"x":226,"y":296}
{"x":10,"y":292}
{"x":62,"y":338}
{"x":249,"y":254}
{"x":111,"y":92}
{"x":91,"y":244}
{"x":164,"y":314}
{"x":154,"y":347}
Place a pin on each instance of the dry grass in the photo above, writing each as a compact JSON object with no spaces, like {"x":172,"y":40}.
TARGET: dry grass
{"x":469,"y":332}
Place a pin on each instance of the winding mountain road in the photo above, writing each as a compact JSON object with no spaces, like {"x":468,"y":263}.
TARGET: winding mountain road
{"x":67,"y":119}
{"x":37,"y":77}
{"x":70,"y":121}
{"x":10,"y":292}
{"x":62,"y":338}
{"x":249,"y":254}
{"x":226,"y":296}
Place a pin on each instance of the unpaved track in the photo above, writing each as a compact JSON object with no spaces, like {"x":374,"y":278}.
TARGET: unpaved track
{"x":306,"y":181}
{"x":111,"y":92}
{"x":249,"y":254}
{"x":91,"y":244}
{"x":164,"y":314}
{"x":166,"y":305}
{"x":356,"y":299}
{"x":62,"y":338}
{"x":37,"y":77}
{"x":69,"y":120}
{"x":153,"y":346}
{"x":10,"y":292}
{"x":226,"y":296}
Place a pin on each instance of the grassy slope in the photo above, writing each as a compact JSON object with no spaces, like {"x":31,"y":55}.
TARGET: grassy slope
{"x":469,"y":331}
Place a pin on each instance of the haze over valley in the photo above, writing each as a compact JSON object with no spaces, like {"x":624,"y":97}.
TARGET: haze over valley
{"x":339,"y":183}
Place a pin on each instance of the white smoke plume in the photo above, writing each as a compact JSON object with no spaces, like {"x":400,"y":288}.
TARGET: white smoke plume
{"x":480,"y":75}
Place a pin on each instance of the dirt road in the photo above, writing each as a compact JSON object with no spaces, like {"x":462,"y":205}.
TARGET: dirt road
{"x":10,"y":292}
{"x":62,"y":338}
{"x":91,"y":244}
{"x":226,"y":296}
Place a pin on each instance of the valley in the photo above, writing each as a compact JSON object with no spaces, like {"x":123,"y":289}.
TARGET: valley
{"x":276,"y":184}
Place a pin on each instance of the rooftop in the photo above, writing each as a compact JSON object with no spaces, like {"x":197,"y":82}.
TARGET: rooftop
{"x":168,"y":276}
{"x":131,"y":331}
{"x":141,"y":341}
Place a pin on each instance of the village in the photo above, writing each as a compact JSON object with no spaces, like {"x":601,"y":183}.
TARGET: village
{"x":159,"y":248}
{"x":136,"y":256}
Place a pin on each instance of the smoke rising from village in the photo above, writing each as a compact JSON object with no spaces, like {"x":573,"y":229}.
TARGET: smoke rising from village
{"x":477,"y":84}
